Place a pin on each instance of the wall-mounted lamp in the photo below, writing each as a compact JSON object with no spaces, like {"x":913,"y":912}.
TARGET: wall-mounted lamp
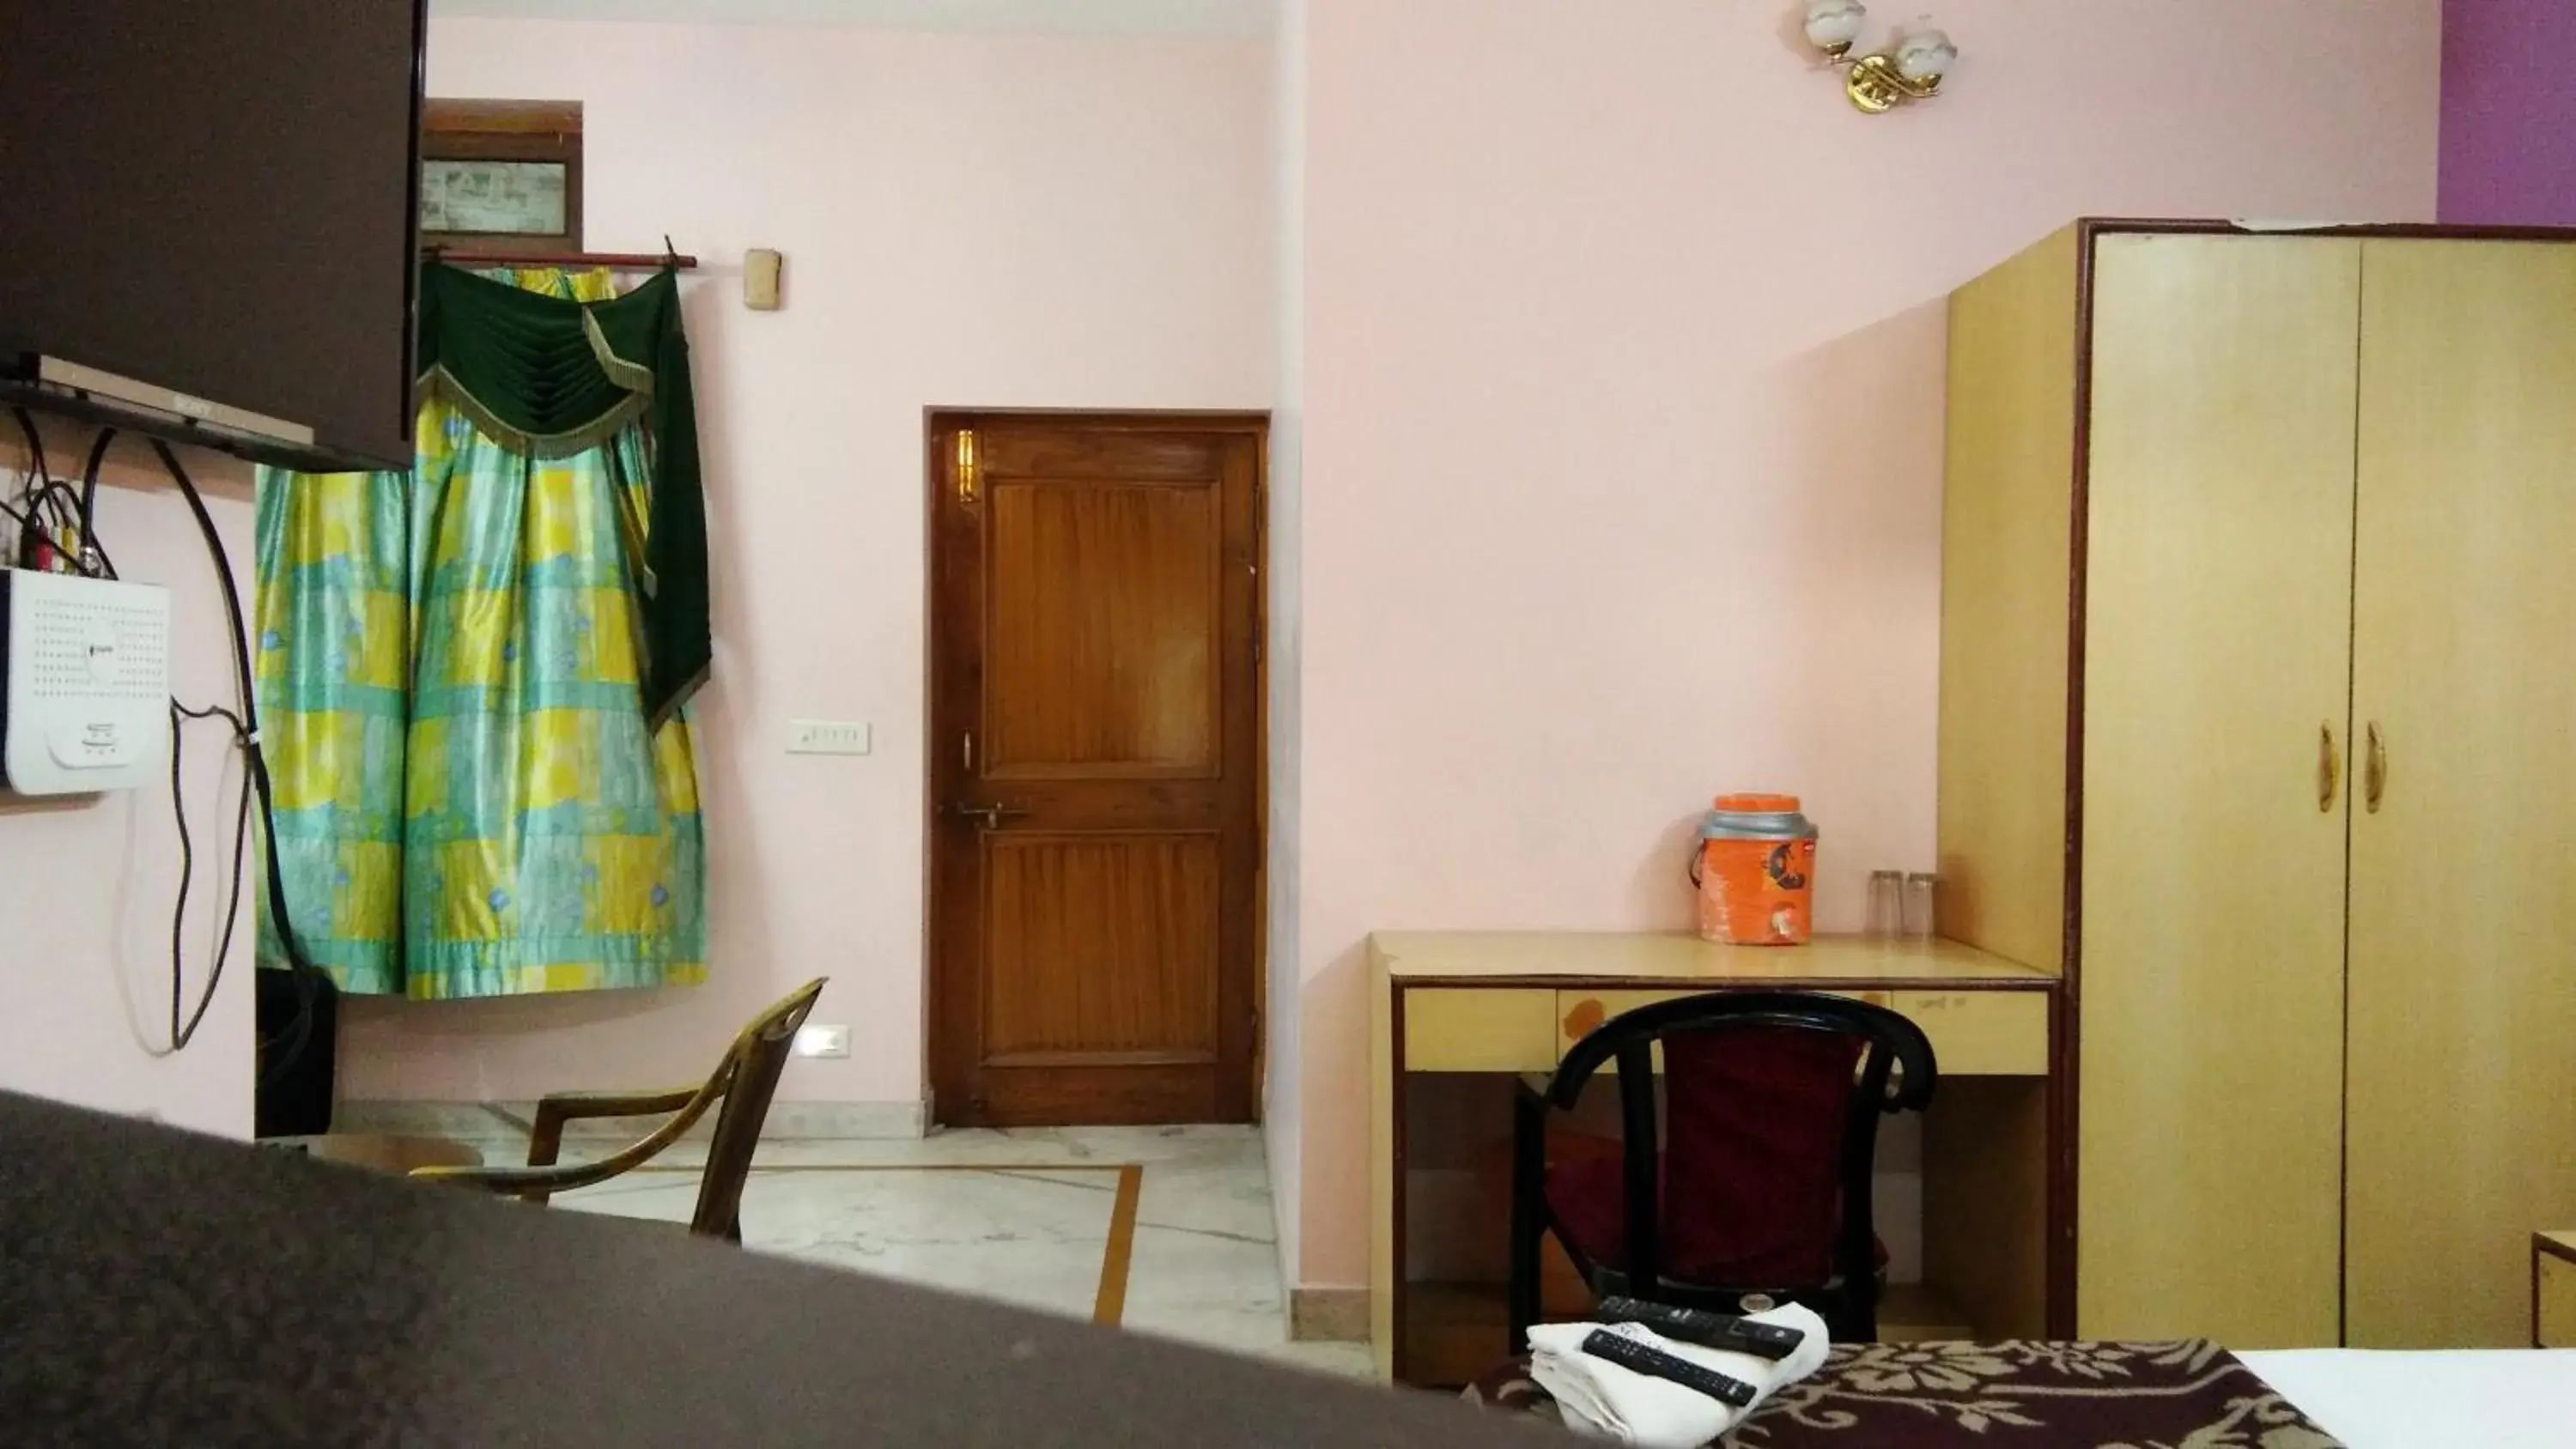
{"x":1879,"y":83}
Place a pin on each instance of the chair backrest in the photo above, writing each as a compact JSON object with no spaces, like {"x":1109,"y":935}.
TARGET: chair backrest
{"x":1769,"y":1132}
{"x":748,"y":1078}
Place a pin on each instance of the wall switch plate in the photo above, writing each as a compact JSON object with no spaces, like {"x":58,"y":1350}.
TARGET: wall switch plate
{"x":828,"y":737}
{"x":822,"y":1041}
{"x":760,"y":270}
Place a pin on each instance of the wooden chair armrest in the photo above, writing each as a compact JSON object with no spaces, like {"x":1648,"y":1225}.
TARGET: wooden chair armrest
{"x":545,"y":1133}
{"x":552,"y":1110}
{"x":542,"y":1178}
{"x":569,"y":1105}
{"x":535,"y":1184}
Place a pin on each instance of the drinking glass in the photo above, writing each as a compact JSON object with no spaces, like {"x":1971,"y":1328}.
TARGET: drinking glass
{"x":1886,"y":903}
{"x":1918,"y":904}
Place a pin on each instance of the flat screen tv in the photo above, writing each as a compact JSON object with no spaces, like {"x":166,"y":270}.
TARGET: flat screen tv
{"x":209,"y":220}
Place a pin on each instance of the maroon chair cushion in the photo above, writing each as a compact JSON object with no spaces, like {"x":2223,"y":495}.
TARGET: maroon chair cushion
{"x":1753,"y":1132}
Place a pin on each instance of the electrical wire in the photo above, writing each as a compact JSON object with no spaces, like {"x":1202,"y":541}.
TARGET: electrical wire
{"x":35,"y":445}
{"x":53,"y":514}
{"x":89,"y":484}
{"x":284,"y":1048}
{"x":183,"y":1033}
{"x":37,"y":474}
{"x":26,"y":526}
{"x":49,"y":513}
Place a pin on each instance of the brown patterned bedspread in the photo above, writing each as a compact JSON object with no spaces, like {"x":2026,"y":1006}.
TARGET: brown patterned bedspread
{"x":2188,"y":1395}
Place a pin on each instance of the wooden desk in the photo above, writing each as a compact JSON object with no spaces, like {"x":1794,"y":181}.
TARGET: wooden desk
{"x":1515,"y":1001}
{"x":2553,"y":1290}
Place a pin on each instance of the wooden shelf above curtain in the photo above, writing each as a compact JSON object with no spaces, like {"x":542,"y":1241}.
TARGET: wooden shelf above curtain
{"x":613,"y":261}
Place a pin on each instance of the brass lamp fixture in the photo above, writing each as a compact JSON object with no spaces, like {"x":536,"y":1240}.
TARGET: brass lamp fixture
{"x":1882,"y":81}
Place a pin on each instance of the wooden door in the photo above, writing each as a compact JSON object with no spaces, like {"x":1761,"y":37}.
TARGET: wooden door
{"x":1094,"y":764}
{"x":2217,"y":598}
{"x":2463,"y":1054}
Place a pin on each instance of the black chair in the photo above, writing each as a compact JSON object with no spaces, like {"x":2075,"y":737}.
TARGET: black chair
{"x":1769,"y":1128}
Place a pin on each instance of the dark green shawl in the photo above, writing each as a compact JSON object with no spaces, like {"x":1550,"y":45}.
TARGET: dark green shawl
{"x":550,"y":378}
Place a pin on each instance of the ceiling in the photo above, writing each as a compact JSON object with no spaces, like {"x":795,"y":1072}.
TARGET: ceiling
{"x":1043,"y":17}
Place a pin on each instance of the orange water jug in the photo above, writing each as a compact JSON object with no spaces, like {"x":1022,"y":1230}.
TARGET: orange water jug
{"x":1755,"y":866}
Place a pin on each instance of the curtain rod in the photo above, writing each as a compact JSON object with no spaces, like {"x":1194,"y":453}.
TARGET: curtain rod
{"x":613,"y":261}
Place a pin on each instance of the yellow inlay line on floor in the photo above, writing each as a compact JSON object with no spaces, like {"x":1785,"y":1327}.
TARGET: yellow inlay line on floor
{"x":1111,"y":1302}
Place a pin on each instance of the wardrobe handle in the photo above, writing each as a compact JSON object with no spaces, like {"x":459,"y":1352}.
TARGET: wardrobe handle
{"x":2374,"y":770}
{"x":2329,"y":767}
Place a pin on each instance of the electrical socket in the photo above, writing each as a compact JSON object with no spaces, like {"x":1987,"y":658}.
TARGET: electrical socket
{"x":829,"y":737}
{"x":822,"y":1040}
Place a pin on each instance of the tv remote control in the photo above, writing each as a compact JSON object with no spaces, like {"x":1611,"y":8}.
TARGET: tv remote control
{"x":1774,"y":1341}
{"x":1628,"y":1353}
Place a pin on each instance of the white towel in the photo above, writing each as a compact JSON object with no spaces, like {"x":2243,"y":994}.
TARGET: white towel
{"x":1600,"y":1397}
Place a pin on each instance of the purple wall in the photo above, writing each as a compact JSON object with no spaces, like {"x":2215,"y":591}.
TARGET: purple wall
{"x":2509,"y":112}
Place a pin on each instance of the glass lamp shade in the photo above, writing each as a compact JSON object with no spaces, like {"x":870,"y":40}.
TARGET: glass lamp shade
{"x":1833,"y":23}
{"x":1925,"y":56}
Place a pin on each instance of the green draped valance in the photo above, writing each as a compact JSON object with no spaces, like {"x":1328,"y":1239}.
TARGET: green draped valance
{"x":551,"y":378}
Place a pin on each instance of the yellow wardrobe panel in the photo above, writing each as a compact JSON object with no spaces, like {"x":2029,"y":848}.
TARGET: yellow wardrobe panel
{"x":2215,"y":695}
{"x":2463,"y":977}
{"x":2006,"y":511}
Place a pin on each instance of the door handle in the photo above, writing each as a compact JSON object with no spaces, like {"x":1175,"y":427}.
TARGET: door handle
{"x":2329,"y":767}
{"x":991,"y":816}
{"x":2374,"y":770}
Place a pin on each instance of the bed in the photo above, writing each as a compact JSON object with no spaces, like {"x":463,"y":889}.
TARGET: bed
{"x":2186,"y":1395}
{"x":2487,"y":1398}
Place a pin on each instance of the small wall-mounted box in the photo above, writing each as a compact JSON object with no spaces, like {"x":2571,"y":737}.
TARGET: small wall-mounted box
{"x":86,"y":705}
{"x":762,"y":270}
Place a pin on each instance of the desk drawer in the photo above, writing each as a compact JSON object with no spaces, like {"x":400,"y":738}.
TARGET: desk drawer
{"x":1982,"y":1033}
{"x":1487,"y":1029}
{"x":1973,"y":1033}
{"x":1578,"y":1012}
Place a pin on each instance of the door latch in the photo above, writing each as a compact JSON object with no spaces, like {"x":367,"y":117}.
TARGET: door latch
{"x":990,"y":816}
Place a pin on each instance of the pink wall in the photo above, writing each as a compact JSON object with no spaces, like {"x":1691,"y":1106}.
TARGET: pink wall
{"x":2508,"y":113}
{"x":86,"y":882}
{"x":968,"y":220}
{"x":1623,"y":340}
{"x":1282,"y":1054}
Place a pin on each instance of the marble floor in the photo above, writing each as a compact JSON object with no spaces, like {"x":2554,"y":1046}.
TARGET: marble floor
{"x":1160,"y":1230}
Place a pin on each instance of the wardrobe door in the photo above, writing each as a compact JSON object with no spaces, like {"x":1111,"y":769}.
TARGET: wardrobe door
{"x":2217,"y":622}
{"x":2463,"y":1014}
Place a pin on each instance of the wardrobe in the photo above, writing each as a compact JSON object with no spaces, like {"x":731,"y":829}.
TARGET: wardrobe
{"x":2258,"y":722}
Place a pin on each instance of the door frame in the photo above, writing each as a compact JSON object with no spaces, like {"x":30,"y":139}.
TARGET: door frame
{"x":1252,"y":423}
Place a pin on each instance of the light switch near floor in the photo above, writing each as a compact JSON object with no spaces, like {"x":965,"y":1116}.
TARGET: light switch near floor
{"x":828,"y":737}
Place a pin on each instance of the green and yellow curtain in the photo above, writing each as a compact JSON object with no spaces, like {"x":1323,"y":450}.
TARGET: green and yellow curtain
{"x":472,"y":675}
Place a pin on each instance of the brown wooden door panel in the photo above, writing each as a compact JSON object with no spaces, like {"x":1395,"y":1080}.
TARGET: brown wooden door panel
{"x":1071,"y":449}
{"x":1096,"y":597}
{"x":1101,"y":945}
{"x":1105,"y":605}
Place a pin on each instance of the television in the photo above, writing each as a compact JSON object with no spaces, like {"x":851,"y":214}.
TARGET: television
{"x":209,"y":221}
